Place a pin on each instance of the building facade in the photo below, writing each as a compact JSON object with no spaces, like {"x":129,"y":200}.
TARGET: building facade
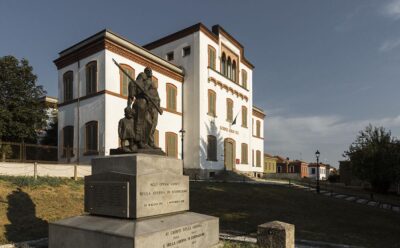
{"x":269,"y":163}
{"x":205,"y":85}
{"x":313,"y":171}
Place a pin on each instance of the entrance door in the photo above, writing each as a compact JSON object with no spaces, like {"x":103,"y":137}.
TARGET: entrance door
{"x":229,"y":154}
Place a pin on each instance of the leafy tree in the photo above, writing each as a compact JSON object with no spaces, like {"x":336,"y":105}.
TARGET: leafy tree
{"x":21,"y":112}
{"x":375,"y":157}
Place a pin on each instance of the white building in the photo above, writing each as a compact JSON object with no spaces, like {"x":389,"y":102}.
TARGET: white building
{"x":313,"y":170}
{"x":205,"y":85}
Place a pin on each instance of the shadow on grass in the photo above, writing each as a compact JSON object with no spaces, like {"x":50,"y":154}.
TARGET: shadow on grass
{"x":21,"y":212}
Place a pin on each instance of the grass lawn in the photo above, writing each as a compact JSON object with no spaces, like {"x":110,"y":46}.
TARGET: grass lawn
{"x":24,"y":212}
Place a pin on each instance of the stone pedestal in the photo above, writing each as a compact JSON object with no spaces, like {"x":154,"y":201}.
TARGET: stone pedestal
{"x":275,"y":234}
{"x":136,"y":201}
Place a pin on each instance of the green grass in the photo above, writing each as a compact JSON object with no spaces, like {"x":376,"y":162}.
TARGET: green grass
{"x":26,"y":207}
{"x":242,"y":207}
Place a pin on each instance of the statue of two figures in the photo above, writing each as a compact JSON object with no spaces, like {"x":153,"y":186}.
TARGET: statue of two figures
{"x":141,"y":115}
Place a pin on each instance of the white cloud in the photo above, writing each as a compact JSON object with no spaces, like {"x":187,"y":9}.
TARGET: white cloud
{"x":392,"y":9}
{"x":389,"y":45}
{"x":300,"y":137}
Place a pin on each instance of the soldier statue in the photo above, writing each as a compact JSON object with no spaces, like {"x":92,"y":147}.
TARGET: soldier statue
{"x":141,"y":115}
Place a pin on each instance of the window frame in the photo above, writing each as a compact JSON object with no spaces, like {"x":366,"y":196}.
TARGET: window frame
{"x":185,"y":50}
{"x":169,"y":87}
{"x":167,"y":135}
{"x":68,"y":84}
{"x":89,"y":90}
{"x":212,"y":59}
{"x":258,"y":158}
{"x":258,"y":128}
{"x":244,"y":78}
{"x":170,"y":56}
{"x":229,"y":111}
{"x":87,"y":126}
{"x":212,"y":148}
{"x":244,"y":116}
{"x":121,"y":78}
{"x":213,"y":94}
{"x":244,"y":156}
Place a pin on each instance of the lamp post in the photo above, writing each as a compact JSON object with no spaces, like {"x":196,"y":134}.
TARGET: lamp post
{"x":182,"y":132}
{"x":317,"y":155}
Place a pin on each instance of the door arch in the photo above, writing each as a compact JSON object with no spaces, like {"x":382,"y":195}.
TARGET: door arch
{"x":229,"y":154}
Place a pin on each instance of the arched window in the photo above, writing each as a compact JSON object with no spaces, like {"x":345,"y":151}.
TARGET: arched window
{"x":68,"y":79}
{"x":68,"y":141}
{"x":211,"y":148}
{"x":211,"y":57}
{"x":244,"y":79}
{"x":229,"y":110}
{"x":124,"y":80}
{"x":229,"y":69}
{"x":91,"y":138}
{"x":244,"y":116}
{"x":223,"y":64}
{"x":245,"y":153}
{"x":212,"y":99}
{"x":171,"y":144}
{"x":234,"y":71}
{"x":171,"y":97}
{"x":91,"y":77}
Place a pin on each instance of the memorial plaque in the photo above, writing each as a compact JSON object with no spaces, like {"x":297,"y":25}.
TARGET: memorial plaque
{"x":107,"y":198}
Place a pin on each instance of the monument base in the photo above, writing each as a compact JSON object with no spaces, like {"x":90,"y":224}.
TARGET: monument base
{"x":181,"y":230}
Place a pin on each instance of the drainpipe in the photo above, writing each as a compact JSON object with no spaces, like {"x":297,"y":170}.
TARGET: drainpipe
{"x":78,"y":113}
{"x":182,"y":131}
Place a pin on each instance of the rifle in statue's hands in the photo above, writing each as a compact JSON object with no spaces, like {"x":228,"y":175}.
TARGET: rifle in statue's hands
{"x":140,"y":87}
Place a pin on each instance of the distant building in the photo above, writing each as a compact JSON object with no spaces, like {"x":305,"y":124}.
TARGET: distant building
{"x":281,"y":164}
{"x":50,"y":104}
{"x":269,"y":163}
{"x":298,"y":167}
{"x":313,"y":171}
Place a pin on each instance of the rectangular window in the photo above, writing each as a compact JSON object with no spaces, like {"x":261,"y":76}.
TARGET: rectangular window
{"x":312,"y":170}
{"x":91,"y":78}
{"x":186,"y":51}
{"x":171,"y":144}
{"x":258,"y":158}
{"x":91,"y":138}
{"x":229,"y":110}
{"x":244,"y":79}
{"x":244,"y":154}
{"x":258,"y":128}
{"x":171,"y":97}
{"x":170,"y":56}
{"x":211,"y":103}
{"x":68,"y":86}
{"x":211,"y":57}
{"x":211,"y":148}
{"x":244,"y":116}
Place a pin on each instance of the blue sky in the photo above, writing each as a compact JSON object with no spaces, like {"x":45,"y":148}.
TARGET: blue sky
{"x":324,"y":69}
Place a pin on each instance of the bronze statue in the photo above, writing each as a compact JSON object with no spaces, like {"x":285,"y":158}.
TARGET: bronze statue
{"x":141,"y":115}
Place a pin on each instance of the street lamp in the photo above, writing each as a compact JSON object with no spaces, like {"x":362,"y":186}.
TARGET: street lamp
{"x":182,"y":132}
{"x":317,"y":155}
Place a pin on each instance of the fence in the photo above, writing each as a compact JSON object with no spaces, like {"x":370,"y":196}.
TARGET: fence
{"x":21,"y":152}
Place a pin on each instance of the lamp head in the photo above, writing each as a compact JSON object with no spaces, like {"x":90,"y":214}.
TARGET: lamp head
{"x":317,"y":153}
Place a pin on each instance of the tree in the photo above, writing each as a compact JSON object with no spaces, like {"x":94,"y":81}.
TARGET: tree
{"x":375,"y":157}
{"x":21,"y":113}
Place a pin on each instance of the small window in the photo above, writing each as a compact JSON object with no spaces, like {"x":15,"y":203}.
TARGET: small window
{"x":244,"y":154}
{"x":68,"y":79}
{"x":258,"y":128}
{"x":312,"y":170}
{"x":186,"y":51}
{"x":211,"y":57}
{"x":244,"y":79}
{"x":171,"y":144}
{"x":171,"y":97}
{"x":212,"y":103}
{"x":91,"y":78}
{"x":211,"y":148}
{"x":91,"y":138}
{"x":244,"y":116}
{"x":170,"y":56}
{"x":229,"y":110}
